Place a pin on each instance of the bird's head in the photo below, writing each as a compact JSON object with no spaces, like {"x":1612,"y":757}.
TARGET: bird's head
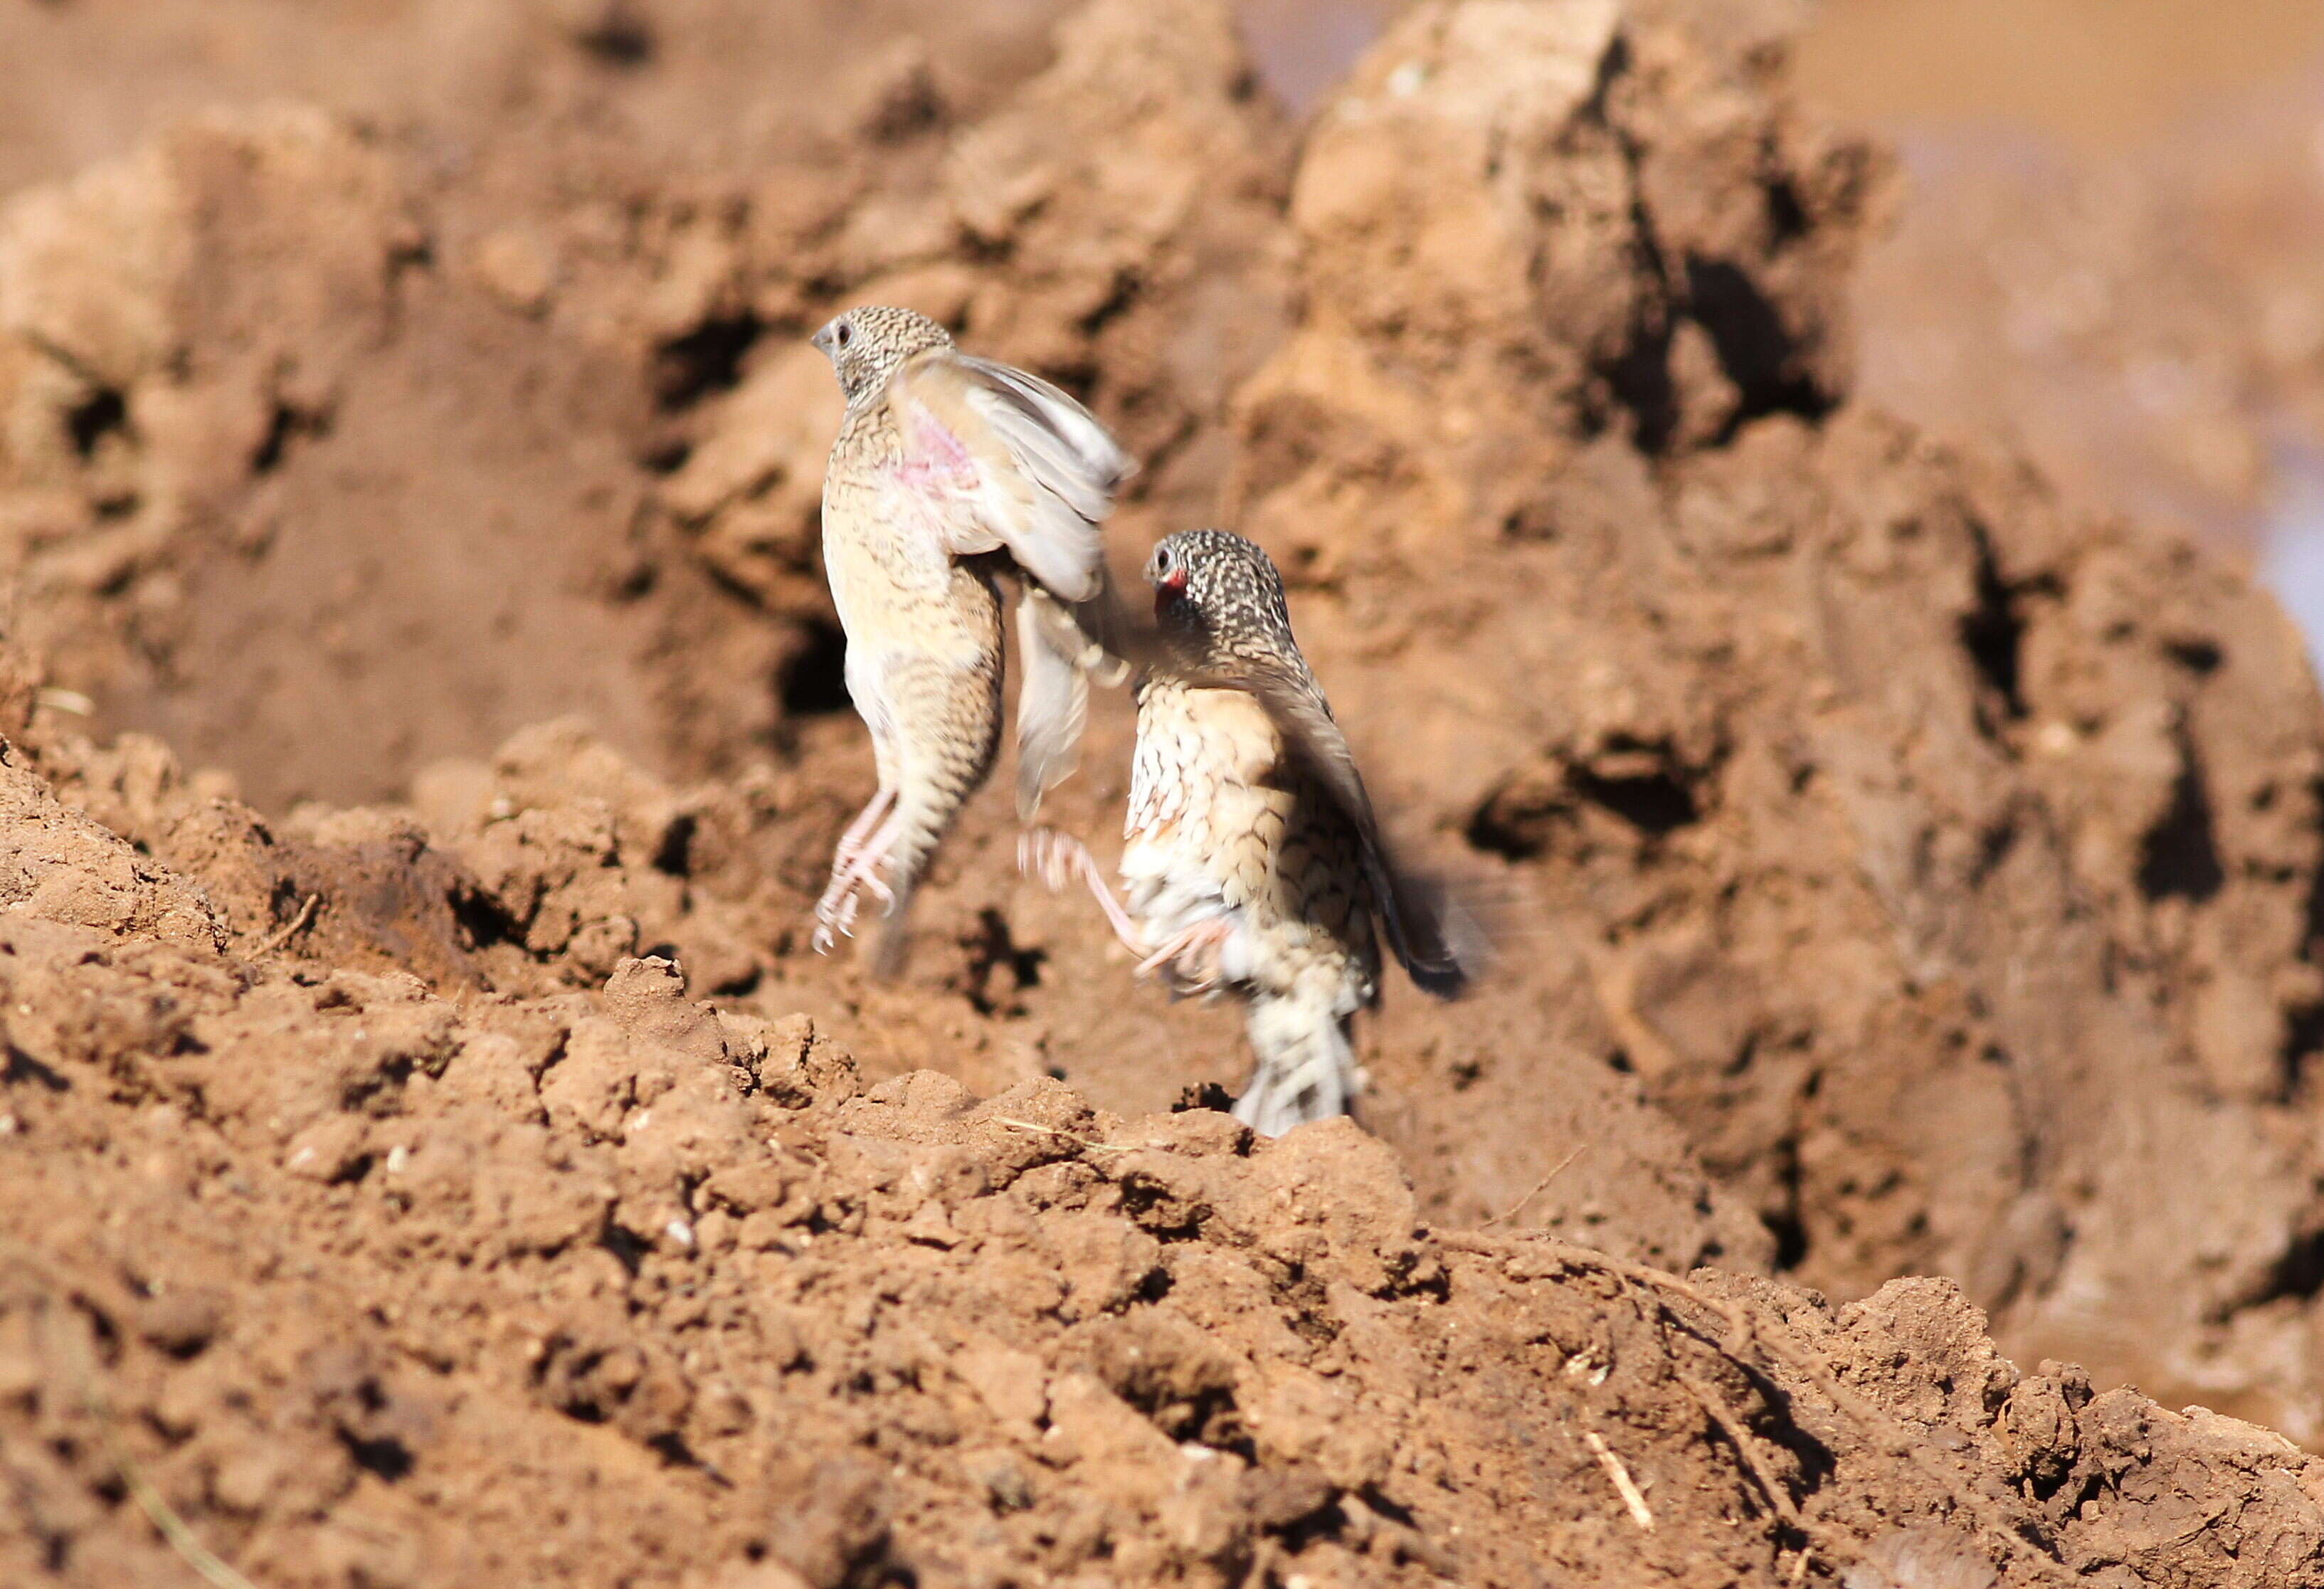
{"x":1218,"y":596}
{"x":866,"y":344}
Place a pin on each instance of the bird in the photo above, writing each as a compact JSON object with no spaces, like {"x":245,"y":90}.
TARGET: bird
{"x":1252,"y":861}
{"x":949,"y":473}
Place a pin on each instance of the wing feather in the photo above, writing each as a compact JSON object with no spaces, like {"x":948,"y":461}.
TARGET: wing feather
{"x":1052,"y":703}
{"x":1014,"y":463}
{"x":1005,"y":461}
{"x":1062,"y":442}
{"x":1422,"y":924}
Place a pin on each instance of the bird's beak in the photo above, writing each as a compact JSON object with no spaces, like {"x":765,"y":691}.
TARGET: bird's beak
{"x":1167,"y":591}
{"x":822,"y":339}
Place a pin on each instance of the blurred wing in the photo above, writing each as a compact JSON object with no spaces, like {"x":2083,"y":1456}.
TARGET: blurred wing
{"x":1008,"y":462}
{"x":1422,"y":925}
{"x":1061,"y":645}
{"x":1052,"y":703}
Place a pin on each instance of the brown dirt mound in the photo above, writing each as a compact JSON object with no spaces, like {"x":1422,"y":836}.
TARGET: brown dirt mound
{"x":1894,"y":873}
{"x":622,"y":1286}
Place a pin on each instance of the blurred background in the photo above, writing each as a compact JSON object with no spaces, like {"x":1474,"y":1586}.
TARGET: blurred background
{"x":2104,"y":254}
{"x":2108,"y":249}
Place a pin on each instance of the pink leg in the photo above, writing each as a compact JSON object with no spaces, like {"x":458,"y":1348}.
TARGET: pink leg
{"x":1057,"y":858}
{"x":852,"y":841}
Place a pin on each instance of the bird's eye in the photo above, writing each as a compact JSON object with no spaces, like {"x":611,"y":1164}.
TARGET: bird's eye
{"x":844,"y":334}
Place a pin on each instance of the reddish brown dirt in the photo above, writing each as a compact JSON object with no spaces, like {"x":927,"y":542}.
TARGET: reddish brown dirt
{"x":449,"y":1166}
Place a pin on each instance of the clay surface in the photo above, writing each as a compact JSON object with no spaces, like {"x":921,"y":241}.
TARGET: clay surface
{"x":430,"y":1154}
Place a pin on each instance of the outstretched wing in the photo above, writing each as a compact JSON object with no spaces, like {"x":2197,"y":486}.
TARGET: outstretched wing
{"x":1003,"y":461}
{"x":1420,"y":921}
{"x":1008,"y":462}
{"x":1436,"y":941}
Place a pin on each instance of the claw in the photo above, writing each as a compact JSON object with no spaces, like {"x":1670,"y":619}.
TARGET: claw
{"x":854,"y":870}
{"x":852,"y":877}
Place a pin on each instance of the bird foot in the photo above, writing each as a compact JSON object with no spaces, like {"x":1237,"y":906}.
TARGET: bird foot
{"x":852,"y":877}
{"x":1191,"y":956}
{"x":1054,"y":857}
{"x":1057,"y":859}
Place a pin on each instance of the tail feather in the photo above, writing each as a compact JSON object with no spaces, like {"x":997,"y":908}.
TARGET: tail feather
{"x":927,"y":817}
{"x":893,"y":938}
{"x":1306,"y":1069}
{"x":1441,"y":944}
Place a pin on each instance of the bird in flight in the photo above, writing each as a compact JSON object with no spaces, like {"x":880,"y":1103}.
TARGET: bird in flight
{"x":1252,"y":860}
{"x":951,"y":473}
